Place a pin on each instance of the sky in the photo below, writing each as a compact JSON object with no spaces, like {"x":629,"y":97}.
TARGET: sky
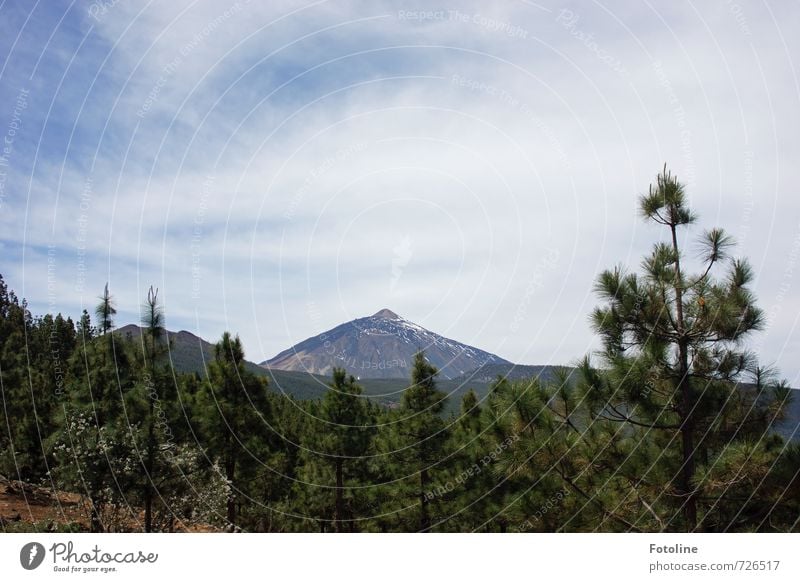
{"x":276,"y":169}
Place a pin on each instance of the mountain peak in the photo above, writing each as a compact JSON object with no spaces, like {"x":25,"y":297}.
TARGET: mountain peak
{"x":382,"y":345}
{"x":387,"y":314}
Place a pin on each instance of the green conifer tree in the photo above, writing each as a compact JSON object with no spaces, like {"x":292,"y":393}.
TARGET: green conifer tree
{"x":345,"y":435}
{"x":674,"y":354}
{"x":421,"y":437}
{"x":234,"y":415}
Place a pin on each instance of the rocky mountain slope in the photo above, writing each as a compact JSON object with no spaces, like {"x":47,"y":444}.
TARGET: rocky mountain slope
{"x":380,"y":346}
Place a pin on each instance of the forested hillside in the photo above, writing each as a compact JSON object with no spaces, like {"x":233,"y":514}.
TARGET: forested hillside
{"x":654,"y":433}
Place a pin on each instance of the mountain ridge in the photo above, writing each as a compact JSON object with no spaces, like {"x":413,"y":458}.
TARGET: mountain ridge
{"x":191,"y":353}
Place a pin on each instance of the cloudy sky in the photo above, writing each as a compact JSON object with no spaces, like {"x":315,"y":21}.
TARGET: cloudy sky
{"x":279,"y":168}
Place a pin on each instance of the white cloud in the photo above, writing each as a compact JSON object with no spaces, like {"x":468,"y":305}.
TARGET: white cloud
{"x":487,"y":143}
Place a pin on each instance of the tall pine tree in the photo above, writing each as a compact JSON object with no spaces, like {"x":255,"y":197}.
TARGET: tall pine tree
{"x":673,"y":350}
{"x":421,"y":438}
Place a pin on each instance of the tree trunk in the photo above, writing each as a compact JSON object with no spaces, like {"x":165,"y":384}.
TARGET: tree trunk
{"x":151,"y":438}
{"x":687,"y":401}
{"x":97,"y":522}
{"x":339,"y":506}
{"x":230,"y":471}
{"x":425,"y":520}
{"x":148,"y":489}
{"x":148,"y":510}
{"x":687,"y":442}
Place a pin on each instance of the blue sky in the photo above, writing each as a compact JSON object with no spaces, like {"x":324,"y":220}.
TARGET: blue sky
{"x":276,"y":170}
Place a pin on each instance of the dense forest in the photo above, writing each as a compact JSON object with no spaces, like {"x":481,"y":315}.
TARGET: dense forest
{"x":668,"y":428}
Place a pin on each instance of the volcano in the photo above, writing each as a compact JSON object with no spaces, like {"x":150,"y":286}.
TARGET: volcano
{"x":380,"y":346}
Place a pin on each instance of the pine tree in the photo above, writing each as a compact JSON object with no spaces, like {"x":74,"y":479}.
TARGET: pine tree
{"x":154,"y":331}
{"x":84,"y":329}
{"x":421,"y":437}
{"x":234,"y":411}
{"x":537,"y":457}
{"x":346,"y":434}
{"x":673,"y":349}
{"x":23,"y":394}
{"x":474,"y":487}
{"x":105,"y":311}
{"x":93,"y":446}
